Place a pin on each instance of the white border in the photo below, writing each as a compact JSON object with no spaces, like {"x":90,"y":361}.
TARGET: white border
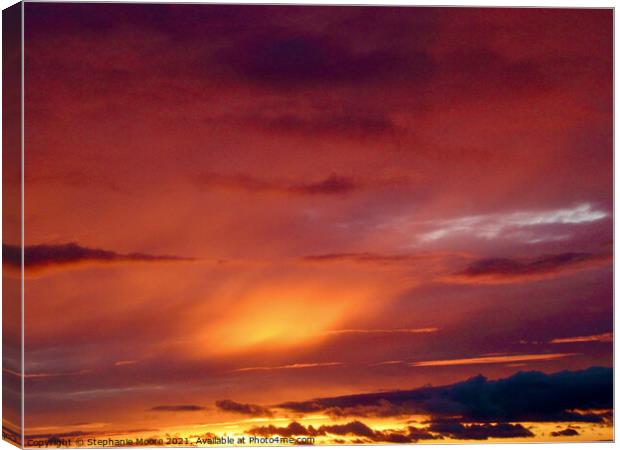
{"x":480,"y":3}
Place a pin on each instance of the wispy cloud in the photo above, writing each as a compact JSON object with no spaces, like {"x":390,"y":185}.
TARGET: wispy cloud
{"x":125,"y":362}
{"x":502,"y":270}
{"x":47,"y":374}
{"x":330,"y":185}
{"x":603,"y":337}
{"x":40,"y":257}
{"x":178,"y":408}
{"x":498,"y":359}
{"x":243,"y":408}
{"x":289,"y":367}
{"x":385,"y":331}
{"x":379,"y":258}
{"x":517,"y":225}
{"x":389,"y":363}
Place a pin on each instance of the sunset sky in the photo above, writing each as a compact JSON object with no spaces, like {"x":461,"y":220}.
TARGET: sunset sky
{"x":239,"y":219}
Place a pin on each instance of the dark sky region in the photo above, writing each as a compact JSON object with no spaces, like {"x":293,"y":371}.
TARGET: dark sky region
{"x":360,"y":224}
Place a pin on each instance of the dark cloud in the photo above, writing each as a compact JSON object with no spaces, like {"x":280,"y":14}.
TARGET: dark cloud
{"x":243,"y":408}
{"x":43,"y":256}
{"x":525,"y":396}
{"x":361,"y":430}
{"x":292,"y":429}
{"x":509,"y":268}
{"x":272,"y":46}
{"x":355,"y":428}
{"x":178,"y":408}
{"x":331,"y":185}
{"x":565,"y":432}
{"x":441,"y":430}
{"x":177,"y":22}
{"x":422,"y":434}
{"x":458,"y":430}
{"x":284,"y":59}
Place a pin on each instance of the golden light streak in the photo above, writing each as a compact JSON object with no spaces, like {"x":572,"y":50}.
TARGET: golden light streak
{"x":492,"y":359}
{"x":603,"y":337}
{"x":289,"y":366}
{"x":385,"y":331}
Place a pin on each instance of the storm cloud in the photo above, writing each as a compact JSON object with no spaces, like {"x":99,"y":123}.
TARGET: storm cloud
{"x":485,"y":431}
{"x":409,"y":434}
{"x":541,"y":397}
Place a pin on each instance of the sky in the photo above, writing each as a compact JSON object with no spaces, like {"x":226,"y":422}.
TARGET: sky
{"x":357,"y":224}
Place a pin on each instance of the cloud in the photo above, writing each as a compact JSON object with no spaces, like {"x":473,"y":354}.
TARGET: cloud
{"x":46,"y":374}
{"x":496,"y":359}
{"x":292,"y":429}
{"x":356,"y":257}
{"x":374,"y":258}
{"x":356,"y":428}
{"x":565,"y":432}
{"x":289,"y":366}
{"x":331,"y":185}
{"x":503,"y":270}
{"x":422,"y":434}
{"x":40,"y":257}
{"x":485,"y":431}
{"x":520,"y":225}
{"x":385,"y":331}
{"x":125,"y":362}
{"x":524,"y":396}
{"x":243,"y":408}
{"x":360,"y":429}
{"x":410,"y":434}
{"x":282,"y":60}
{"x":178,"y":408}
{"x":603,"y":337}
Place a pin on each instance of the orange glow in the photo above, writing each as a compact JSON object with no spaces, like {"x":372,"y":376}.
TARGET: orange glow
{"x":256,"y":219}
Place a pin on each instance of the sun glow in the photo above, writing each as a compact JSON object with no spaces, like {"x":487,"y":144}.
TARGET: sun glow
{"x":282,"y":316}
